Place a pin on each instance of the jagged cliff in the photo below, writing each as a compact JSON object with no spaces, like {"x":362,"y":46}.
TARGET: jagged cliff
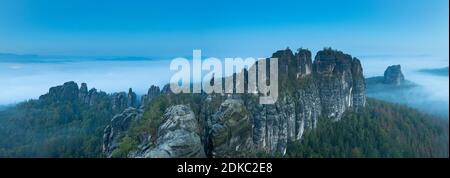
{"x":393,"y":75}
{"x":230,"y":126}
{"x":320,"y":112}
{"x":392,"y":79}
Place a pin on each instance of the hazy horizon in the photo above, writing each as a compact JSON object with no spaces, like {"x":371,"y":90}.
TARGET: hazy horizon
{"x":115,"y":45}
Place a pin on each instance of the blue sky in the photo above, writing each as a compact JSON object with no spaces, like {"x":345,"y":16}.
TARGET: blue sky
{"x":223,"y":28}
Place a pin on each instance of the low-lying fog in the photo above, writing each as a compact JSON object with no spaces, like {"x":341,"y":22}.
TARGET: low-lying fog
{"x":26,"y":80}
{"x":432,"y":95}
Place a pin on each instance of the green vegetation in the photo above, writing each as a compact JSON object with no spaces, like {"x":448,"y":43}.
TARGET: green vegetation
{"x":153,"y":117}
{"x":439,"y":71}
{"x":381,"y":130}
{"x":48,"y":128}
{"x":70,"y":128}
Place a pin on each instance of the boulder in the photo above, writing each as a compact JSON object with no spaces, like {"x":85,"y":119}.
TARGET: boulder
{"x":178,"y":136}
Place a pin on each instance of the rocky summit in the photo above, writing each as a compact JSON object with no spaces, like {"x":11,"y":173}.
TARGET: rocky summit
{"x":178,"y":136}
{"x":232,"y":126}
{"x":320,"y":111}
{"x":393,"y":75}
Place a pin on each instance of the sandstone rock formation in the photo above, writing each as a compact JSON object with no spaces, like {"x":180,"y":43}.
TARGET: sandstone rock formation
{"x":229,"y":125}
{"x":152,"y":93}
{"x":119,"y":124}
{"x":393,"y":75}
{"x":177,"y":137}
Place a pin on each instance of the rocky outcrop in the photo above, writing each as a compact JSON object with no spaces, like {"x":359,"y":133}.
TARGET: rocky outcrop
{"x":331,"y":85}
{"x":92,"y":96}
{"x":178,"y":136}
{"x":115,"y":131}
{"x":122,"y":100}
{"x":304,"y":62}
{"x":131,"y":98}
{"x":68,"y":92}
{"x":152,"y":93}
{"x":230,"y":130}
{"x":236,"y":124}
{"x":359,"y":86}
{"x":83,"y":94}
{"x":393,"y":75}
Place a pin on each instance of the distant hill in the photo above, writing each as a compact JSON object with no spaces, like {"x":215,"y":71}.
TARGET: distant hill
{"x":321,"y":111}
{"x":438,"y":71}
{"x":393,"y":87}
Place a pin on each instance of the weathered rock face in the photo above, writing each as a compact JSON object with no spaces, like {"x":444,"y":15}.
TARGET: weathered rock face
{"x":285,"y":59}
{"x":329,"y":87}
{"x":230,"y":130}
{"x":273,"y":124}
{"x":119,"y":101}
{"x":304,"y":62}
{"x":69,"y":92}
{"x":308,"y":108}
{"x":83,"y":92}
{"x":166,"y":90}
{"x":337,"y":75}
{"x":122,"y":100}
{"x":393,"y":75}
{"x":237,"y":124}
{"x":63,"y":93}
{"x":152,"y":93}
{"x":131,"y":98}
{"x":93,"y":97}
{"x":119,"y":124}
{"x":178,"y":136}
{"x":359,"y":86}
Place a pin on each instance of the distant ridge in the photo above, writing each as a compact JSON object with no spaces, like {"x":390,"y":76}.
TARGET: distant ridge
{"x":34,"y":58}
{"x":436,"y":71}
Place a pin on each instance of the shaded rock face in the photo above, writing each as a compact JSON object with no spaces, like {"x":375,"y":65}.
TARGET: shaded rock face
{"x":285,"y":59}
{"x":293,"y":66}
{"x":63,"y":93}
{"x":83,"y":92}
{"x":393,"y":75}
{"x":359,"y":86}
{"x":166,"y":90}
{"x":230,"y":130}
{"x":178,"y":136}
{"x":273,"y":126}
{"x":69,"y":92}
{"x":119,"y":101}
{"x":152,"y":93}
{"x":340,"y":82}
{"x":122,"y":100}
{"x":119,"y":125}
{"x":304,"y":62}
{"x":236,"y":124}
{"x":331,"y":85}
{"x":131,"y":98}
